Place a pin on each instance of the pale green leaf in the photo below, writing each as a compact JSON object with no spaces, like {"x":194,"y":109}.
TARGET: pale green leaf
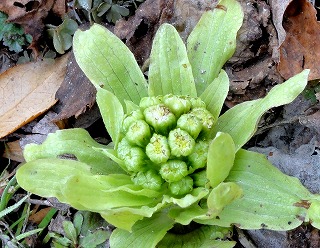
{"x":184,"y":216}
{"x":109,"y":64}
{"x":92,"y":240}
{"x":45,"y":177}
{"x":70,"y":231}
{"x":77,"y":222}
{"x":194,"y":196}
{"x":241,"y":121}
{"x":213,"y":41}
{"x":220,"y":159}
{"x":112,"y":113}
{"x":221,"y":196}
{"x":113,"y":155}
{"x":122,"y":218}
{"x":100,"y":193}
{"x":77,"y":142}
{"x":145,"y":233}
{"x":314,"y":211}
{"x":216,"y":93}
{"x":170,"y":70}
{"x":201,"y":237}
{"x":270,"y":198}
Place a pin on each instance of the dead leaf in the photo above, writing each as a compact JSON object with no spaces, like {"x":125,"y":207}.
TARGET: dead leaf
{"x":252,"y":69}
{"x":278,"y":8}
{"x":28,"y":90}
{"x":138,"y":30}
{"x":76,"y":94}
{"x":301,"y":48}
{"x":13,"y":151}
{"x":30,"y":15}
{"x":37,"y":216}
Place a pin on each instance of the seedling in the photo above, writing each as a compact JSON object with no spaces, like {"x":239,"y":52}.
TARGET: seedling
{"x":12,"y":35}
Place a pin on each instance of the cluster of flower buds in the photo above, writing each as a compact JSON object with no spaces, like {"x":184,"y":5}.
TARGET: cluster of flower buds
{"x":165,"y":143}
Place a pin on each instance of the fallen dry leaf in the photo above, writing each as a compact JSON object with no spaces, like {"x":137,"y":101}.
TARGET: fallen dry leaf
{"x":301,"y":47}
{"x":278,"y":8}
{"x":138,"y":30}
{"x":13,"y":151}
{"x":37,"y":216}
{"x":31,"y":15}
{"x":76,"y":94}
{"x":28,"y":90}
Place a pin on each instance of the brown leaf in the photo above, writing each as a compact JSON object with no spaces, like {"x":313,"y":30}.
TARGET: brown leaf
{"x":301,"y":48}
{"x":278,"y":8}
{"x":13,"y":151}
{"x":76,"y":93}
{"x":28,"y":90}
{"x":138,"y":30}
{"x":30,"y":15}
{"x":37,"y":216}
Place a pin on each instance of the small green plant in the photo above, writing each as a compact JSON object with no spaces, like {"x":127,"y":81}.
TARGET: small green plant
{"x":62,"y":34}
{"x":12,"y":35}
{"x":112,"y":11}
{"x":174,"y":174}
{"x":79,"y":233}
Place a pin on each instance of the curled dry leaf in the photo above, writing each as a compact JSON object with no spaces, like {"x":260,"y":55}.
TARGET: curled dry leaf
{"x":301,"y":47}
{"x":278,"y":7}
{"x":28,"y":90}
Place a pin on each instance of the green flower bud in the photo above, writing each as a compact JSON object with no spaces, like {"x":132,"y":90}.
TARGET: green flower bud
{"x":196,"y":102}
{"x":173,"y":170}
{"x":178,"y":105}
{"x":148,"y":101}
{"x":198,"y":158}
{"x":181,"y":143}
{"x":139,"y":133}
{"x":182,"y":187}
{"x":130,"y":118}
{"x":200,"y":178}
{"x":133,"y":157}
{"x":148,"y":179}
{"x":123,"y":149}
{"x":158,"y":149}
{"x":205,"y":117}
{"x":160,"y":118}
{"x":191,"y":124}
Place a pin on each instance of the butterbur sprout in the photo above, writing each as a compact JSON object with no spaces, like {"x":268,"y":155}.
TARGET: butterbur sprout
{"x":173,"y":170}
{"x":139,"y":133}
{"x":181,"y":143}
{"x":174,"y":158}
{"x":181,"y":187}
{"x":158,"y":149}
{"x":160,"y":118}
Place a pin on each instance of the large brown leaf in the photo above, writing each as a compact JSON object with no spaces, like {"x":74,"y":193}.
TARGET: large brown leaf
{"x":301,"y":47}
{"x":28,"y":90}
{"x":76,"y":94}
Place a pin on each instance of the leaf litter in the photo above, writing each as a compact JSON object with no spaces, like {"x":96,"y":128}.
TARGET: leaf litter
{"x":27,"y":91}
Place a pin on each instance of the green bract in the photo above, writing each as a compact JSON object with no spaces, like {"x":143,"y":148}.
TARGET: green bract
{"x":174,"y":162}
